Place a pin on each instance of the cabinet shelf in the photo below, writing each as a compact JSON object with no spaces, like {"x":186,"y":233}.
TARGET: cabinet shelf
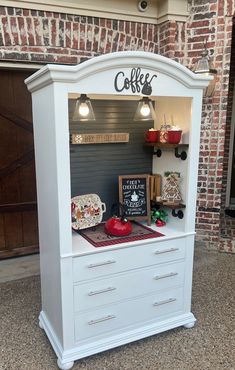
{"x":167,"y":145}
{"x":169,"y":205}
{"x":176,"y":208}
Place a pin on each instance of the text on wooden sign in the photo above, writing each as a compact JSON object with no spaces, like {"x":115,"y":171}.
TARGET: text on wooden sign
{"x":99,"y":138}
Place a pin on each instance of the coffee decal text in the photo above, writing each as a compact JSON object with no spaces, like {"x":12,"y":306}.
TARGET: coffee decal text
{"x":138,"y":82}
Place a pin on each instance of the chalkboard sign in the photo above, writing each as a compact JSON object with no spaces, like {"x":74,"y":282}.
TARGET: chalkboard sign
{"x":134,"y":195}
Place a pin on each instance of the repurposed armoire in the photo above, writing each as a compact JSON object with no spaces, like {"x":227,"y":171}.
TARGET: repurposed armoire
{"x":94,"y":299}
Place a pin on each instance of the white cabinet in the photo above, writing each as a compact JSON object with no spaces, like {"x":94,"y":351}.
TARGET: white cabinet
{"x":123,"y":293}
{"x":125,"y":259}
{"x":95,"y":299}
{"x":128,"y":315}
{"x":119,"y":298}
{"x":127,"y":285}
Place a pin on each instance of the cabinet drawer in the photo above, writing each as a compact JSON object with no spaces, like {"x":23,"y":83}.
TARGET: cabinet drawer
{"x":127,"y":285}
{"x":134,"y":313}
{"x":110,"y":262}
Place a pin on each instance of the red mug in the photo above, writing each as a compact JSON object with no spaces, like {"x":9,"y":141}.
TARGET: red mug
{"x":152,"y":136}
{"x":174,"y":137}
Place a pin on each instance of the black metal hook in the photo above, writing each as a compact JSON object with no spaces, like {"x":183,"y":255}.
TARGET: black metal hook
{"x":158,"y":153}
{"x":182,"y":155}
{"x":179,"y":214}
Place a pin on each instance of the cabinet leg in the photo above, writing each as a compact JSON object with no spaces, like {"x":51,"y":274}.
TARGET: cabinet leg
{"x":40,"y":324}
{"x":189,"y":325}
{"x":66,"y":366}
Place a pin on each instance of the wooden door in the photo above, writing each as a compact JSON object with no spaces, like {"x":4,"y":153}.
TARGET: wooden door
{"x":18,"y":208}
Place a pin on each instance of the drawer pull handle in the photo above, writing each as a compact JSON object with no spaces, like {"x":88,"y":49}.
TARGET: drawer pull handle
{"x":92,"y":265}
{"x":109,"y":289}
{"x":158,"y":277}
{"x":164,"y":302}
{"x":167,"y":251}
{"x":106,"y":318}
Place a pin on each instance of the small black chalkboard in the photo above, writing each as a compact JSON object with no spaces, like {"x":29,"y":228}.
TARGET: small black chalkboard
{"x":134,"y":195}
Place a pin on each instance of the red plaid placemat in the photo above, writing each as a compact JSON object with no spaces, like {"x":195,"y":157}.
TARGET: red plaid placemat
{"x":98,"y":238}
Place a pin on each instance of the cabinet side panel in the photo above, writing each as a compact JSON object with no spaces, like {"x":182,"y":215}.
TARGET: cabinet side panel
{"x":193,"y":158}
{"x":47,"y":196}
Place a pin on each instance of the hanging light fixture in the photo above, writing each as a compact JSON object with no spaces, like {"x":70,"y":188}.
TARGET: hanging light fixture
{"x":83,"y":109}
{"x":205,"y":66}
{"x":145,"y":110}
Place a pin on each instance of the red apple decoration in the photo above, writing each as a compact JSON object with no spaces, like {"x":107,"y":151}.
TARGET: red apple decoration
{"x":160,"y":223}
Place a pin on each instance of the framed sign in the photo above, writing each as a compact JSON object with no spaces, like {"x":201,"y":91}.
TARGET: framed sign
{"x":100,"y":138}
{"x":134,"y":195}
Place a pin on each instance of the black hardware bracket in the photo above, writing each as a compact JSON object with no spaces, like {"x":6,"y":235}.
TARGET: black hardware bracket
{"x":179,"y":213}
{"x":158,"y":153}
{"x":182,"y":155}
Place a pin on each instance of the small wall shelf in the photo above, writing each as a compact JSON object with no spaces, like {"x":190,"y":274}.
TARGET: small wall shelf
{"x":167,"y":145}
{"x":176,"y":208}
{"x":160,"y":146}
{"x":170,"y":205}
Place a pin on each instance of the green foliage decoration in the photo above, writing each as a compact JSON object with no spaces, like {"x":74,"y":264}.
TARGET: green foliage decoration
{"x":159,"y":214}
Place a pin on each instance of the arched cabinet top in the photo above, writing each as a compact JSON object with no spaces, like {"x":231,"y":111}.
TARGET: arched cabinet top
{"x":122,"y":73}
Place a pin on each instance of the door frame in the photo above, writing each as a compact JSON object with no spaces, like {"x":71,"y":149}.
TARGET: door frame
{"x":230,"y":160}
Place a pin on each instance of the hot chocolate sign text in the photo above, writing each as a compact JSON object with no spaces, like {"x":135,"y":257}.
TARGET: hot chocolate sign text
{"x":134,"y":196}
{"x":137,"y":81}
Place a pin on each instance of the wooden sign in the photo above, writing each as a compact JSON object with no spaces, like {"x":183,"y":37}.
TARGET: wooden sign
{"x":155,"y":187}
{"x":100,"y":138}
{"x":134,"y":195}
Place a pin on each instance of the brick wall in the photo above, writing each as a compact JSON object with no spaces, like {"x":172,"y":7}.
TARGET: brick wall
{"x":227,"y":224}
{"x":45,"y":37}
{"x":172,"y":40}
{"x":212,"y":21}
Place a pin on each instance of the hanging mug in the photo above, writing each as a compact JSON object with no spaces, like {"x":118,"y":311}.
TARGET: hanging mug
{"x":174,"y":135}
{"x":152,"y":136}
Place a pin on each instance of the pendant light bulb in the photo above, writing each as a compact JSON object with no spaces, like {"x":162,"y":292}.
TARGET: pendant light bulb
{"x":145,"y":110}
{"x":83,"y":110}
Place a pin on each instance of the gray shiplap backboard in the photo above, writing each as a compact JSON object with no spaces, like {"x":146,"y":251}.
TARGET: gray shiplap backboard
{"x":95,"y":167}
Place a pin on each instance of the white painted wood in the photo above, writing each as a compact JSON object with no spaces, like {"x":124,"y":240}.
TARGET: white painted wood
{"x":66,"y":366}
{"x":131,"y":290}
{"x":193,"y":160}
{"x":81,"y":247}
{"x":47,"y":199}
{"x":132,"y":284}
{"x":189,"y":325}
{"x":175,"y":79}
{"x":110,"y":262}
{"x":89,"y":347}
{"x":168,"y":162}
{"x":174,"y":116}
{"x":129,"y":313}
{"x":40,"y":324}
